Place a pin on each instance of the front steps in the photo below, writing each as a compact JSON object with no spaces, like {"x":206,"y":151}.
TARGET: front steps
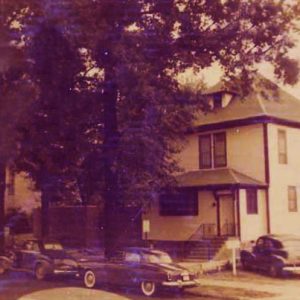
{"x":205,"y":249}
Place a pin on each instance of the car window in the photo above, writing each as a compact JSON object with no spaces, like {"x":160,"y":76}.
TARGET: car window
{"x":268,"y":244}
{"x":31,"y":246}
{"x":157,"y":258}
{"x":53,"y":246}
{"x":132,"y":257}
{"x":260,"y":243}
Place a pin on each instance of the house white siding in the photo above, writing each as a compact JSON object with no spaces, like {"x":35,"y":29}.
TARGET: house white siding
{"x":282,"y":176}
{"x":245,"y":151}
{"x":253,"y":225}
{"x":180,"y":228}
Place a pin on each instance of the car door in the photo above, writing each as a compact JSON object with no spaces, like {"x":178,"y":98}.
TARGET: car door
{"x":127,"y":270}
{"x":264,"y":258}
{"x":259,"y":254}
{"x":29,"y":254}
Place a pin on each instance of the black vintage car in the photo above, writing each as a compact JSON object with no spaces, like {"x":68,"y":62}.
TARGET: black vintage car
{"x":147,"y":268}
{"x":275,"y":254}
{"x":43,"y":258}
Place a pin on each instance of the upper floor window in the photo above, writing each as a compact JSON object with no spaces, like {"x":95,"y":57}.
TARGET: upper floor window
{"x":212,"y":150}
{"x":292,"y":199}
{"x":251,"y":198}
{"x":282,"y":147}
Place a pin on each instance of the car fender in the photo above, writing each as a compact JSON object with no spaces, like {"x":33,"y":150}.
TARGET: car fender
{"x":5,"y":262}
{"x":278,"y":259}
{"x":247,"y":255}
{"x":46,"y":262}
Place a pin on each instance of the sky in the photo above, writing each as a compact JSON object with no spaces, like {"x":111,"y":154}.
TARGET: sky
{"x":213,"y":75}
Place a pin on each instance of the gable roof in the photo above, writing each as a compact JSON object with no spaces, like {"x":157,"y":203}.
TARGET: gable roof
{"x":217,"y":177}
{"x":261,"y":102}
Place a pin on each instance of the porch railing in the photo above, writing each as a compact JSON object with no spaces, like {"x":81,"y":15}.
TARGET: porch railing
{"x":228,"y":229}
{"x":204,"y":230}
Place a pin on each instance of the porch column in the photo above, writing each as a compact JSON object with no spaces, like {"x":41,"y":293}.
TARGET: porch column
{"x":237,"y":198}
{"x":217,"y":199}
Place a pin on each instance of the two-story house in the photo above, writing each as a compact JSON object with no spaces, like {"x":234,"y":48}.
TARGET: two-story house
{"x":242,"y":171}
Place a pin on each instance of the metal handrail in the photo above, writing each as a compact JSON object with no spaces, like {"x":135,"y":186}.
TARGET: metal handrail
{"x":204,"y":230}
{"x":228,"y":229}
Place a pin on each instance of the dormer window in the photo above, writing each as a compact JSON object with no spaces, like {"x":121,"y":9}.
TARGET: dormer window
{"x":217,"y":98}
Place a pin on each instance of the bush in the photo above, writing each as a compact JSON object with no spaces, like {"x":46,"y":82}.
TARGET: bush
{"x":18,"y":221}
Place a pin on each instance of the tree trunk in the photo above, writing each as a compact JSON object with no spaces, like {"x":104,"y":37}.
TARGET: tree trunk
{"x":45,"y":213}
{"x":110,"y":145}
{"x":2,"y":206}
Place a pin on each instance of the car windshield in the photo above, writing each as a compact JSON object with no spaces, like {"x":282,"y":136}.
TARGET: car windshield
{"x":157,"y":258}
{"x":53,"y":246}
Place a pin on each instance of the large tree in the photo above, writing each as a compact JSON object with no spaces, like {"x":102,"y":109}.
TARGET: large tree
{"x":139,"y":47}
{"x":16,"y":91}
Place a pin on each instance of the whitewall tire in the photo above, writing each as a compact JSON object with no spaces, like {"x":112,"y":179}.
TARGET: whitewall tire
{"x":89,"y":279}
{"x":40,"y":272}
{"x":148,"y":288}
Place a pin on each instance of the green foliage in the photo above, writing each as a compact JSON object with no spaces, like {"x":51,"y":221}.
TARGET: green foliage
{"x":129,"y":119}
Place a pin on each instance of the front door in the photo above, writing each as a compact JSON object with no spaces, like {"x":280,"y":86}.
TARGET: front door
{"x":226,"y":216}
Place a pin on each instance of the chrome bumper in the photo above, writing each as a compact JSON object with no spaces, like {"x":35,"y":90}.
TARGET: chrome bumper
{"x":180,"y":283}
{"x":291,"y":269}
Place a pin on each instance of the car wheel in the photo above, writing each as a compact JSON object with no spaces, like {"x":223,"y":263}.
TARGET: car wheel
{"x":148,"y":288}
{"x":275,"y":271}
{"x":40,"y":272}
{"x":89,"y":279}
{"x":246,"y":265}
{"x":2,"y":269}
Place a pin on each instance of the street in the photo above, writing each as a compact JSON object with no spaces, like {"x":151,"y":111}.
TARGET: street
{"x":221,"y":285}
{"x":22,"y":286}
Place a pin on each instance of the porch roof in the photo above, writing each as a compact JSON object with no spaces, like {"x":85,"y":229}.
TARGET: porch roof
{"x":218,"y":177}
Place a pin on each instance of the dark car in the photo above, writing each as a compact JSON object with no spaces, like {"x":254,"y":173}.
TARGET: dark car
{"x":147,"y":268}
{"x":44,"y":258}
{"x":275,"y":254}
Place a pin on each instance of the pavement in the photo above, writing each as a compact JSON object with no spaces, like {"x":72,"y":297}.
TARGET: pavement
{"x":277,"y":288}
{"x":73,"y":293}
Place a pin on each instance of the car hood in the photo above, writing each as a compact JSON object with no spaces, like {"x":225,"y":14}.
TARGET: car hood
{"x":57,"y":254}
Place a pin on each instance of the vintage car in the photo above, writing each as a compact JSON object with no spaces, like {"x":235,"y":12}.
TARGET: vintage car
{"x":42,"y":258}
{"x":275,"y":254}
{"x":147,"y":268}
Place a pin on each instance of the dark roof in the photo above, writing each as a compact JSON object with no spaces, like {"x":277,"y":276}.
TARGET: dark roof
{"x":216,"y":177}
{"x":262,"y":102}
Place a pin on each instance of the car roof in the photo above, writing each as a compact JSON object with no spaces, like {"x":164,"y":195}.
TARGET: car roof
{"x":281,"y":237}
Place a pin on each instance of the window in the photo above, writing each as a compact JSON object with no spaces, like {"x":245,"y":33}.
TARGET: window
{"x":251,"y":198}
{"x":181,"y":203}
{"x":220,"y":149}
{"x":217,"y":100}
{"x":292,"y":199}
{"x":212,"y":150}
{"x":205,"y":151}
{"x":282,"y":147}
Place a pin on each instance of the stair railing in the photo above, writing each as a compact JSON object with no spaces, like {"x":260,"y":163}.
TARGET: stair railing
{"x":204,"y":230}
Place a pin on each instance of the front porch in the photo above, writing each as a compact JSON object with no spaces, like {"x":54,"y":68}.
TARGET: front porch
{"x":213,"y":206}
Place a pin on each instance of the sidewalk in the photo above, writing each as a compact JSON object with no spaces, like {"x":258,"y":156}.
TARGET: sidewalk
{"x":277,"y":292}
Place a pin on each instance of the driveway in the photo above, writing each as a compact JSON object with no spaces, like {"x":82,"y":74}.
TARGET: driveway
{"x":287,"y":288}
